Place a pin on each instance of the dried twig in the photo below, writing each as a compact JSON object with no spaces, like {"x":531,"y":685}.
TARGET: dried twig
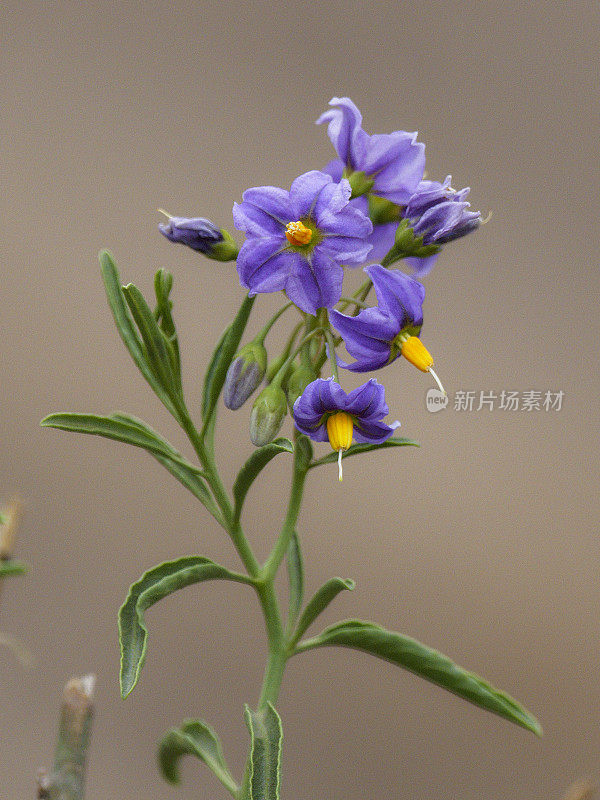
{"x":8,"y":529}
{"x":66,"y":782}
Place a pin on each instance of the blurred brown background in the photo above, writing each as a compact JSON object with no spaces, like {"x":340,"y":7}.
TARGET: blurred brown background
{"x":483,"y":543}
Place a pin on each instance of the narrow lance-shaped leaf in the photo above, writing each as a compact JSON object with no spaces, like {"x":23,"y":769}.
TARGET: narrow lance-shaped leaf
{"x":126,"y":327}
{"x":357,"y":449}
{"x":118,"y":427}
{"x":130,"y":430}
{"x":295,"y":568}
{"x":155,"y":584}
{"x":266,"y":737}
{"x":163,"y":283}
{"x":158,"y":350}
{"x":223,"y":356}
{"x":187,"y":474}
{"x":253,"y":466}
{"x":319,"y":602}
{"x":196,"y":738}
{"x":425,"y":662}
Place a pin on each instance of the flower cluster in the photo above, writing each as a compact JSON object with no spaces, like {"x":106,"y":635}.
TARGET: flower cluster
{"x":370,"y":207}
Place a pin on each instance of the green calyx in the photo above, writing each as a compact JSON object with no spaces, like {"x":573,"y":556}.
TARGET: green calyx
{"x":407,"y":245}
{"x":227,"y":250}
{"x":382,"y":211}
{"x":400,"y":338}
{"x":360,"y":183}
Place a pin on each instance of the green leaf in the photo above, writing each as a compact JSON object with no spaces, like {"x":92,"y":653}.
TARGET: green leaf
{"x":159,"y":353}
{"x":158,"y":582}
{"x":223,"y":356}
{"x":196,"y":738}
{"x":266,"y":737}
{"x":117,"y":426}
{"x":319,"y":602}
{"x":425,"y":662}
{"x":129,"y":429}
{"x":187,"y":474}
{"x":295,"y":568}
{"x":11,"y":567}
{"x":253,"y":466}
{"x":163,"y":283}
{"x":356,"y":449}
{"x":126,"y":327}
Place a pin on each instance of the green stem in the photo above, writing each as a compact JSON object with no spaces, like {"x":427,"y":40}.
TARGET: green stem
{"x":261,"y":336}
{"x":287,"y":363}
{"x":232,"y":526}
{"x":354,"y":301}
{"x":332,"y":358}
{"x":271,"y":565}
{"x":265,"y":588}
{"x":277,"y":645}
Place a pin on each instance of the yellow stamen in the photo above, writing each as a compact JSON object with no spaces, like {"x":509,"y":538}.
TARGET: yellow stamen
{"x":413,"y":349}
{"x":339,"y":429}
{"x":297,"y":233}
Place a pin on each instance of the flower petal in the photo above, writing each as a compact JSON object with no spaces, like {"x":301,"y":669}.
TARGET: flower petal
{"x":334,"y":168}
{"x":254,"y":221}
{"x":368,"y":401}
{"x":345,"y":249}
{"x":400,"y":149}
{"x":262,"y":264}
{"x":398,"y":295}
{"x":349,"y":221}
{"x":332,"y":198}
{"x":316,"y":283}
{"x":272,"y":200}
{"x":304,"y":192}
{"x":345,"y":130}
{"x":374,"y":432}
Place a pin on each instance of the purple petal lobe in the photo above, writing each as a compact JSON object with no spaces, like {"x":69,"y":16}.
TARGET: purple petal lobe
{"x":304,"y":192}
{"x":398,"y":295}
{"x":345,"y":130}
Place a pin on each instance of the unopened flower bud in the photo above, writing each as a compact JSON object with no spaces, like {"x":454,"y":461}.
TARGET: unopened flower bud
{"x":439,"y":214}
{"x":201,"y":235}
{"x":244,"y":375}
{"x":268,"y":413}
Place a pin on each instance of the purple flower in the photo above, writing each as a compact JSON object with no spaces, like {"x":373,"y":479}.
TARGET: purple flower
{"x":365,"y":407}
{"x":394,"y":161}
{"x":376,"y":336}
{"x":297,"y":241}
{"x":439,"y":214}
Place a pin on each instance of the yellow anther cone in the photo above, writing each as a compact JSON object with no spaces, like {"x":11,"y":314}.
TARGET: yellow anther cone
{"x":339,"y":429}
{"x":415,"y":351}
{"x":297,"y":233}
